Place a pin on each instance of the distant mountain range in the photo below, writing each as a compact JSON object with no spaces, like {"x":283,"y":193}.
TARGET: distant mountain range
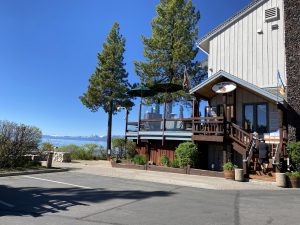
{"x":81,"y":138}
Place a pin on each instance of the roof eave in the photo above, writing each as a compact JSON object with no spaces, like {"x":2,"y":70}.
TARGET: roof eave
{"x":241,"y":82}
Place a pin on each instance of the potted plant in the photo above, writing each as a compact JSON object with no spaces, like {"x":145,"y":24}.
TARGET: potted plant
{"x":228,"y":170}
{"x":293,"y":179}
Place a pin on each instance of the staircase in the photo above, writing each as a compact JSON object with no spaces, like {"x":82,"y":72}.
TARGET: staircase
{"x":244,"y":143}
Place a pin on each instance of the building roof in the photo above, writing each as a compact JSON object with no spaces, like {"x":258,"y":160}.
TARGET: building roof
{"x":254,"y":4}
{"x":204,"y":89}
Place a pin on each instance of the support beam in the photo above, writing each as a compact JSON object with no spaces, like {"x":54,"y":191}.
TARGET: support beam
{"x":164,"y":124}
{"x":234,"y":107}
{"x":139,"y":121}
{"x":126,"y":123}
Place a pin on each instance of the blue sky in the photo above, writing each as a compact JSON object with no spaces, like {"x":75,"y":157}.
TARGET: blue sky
{"x":48,"y":51}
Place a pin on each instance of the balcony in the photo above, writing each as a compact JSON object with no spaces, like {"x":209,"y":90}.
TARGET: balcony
{"x":183,"y":129}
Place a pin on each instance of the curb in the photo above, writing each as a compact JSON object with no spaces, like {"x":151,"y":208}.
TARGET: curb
{"x":33,"y":172}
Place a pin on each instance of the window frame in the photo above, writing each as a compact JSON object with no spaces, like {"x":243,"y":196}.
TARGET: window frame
{"x":255,"y":125}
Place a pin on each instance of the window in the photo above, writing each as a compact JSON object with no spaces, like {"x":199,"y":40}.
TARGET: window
{"x":256,"y":118}
{"x":262,"y":125}
{"x":249,"y":118}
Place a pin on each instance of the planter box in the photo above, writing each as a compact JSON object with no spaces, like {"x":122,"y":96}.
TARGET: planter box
{"x":293,"y":182}
{"x":167,"y":169}
{"x":239,"y":175}
{"x":128,"y":166}
{"x":208,"y":173}
{"x":229,"y":174}
{"x":281,"y":180}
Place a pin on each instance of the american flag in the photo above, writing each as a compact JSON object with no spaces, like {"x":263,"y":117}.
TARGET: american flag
{"x":186,"y":82}
{"x":280,"y":83}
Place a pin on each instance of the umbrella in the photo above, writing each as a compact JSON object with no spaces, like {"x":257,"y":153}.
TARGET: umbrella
{"x":166,"y":87}
{"x":141,"y":91}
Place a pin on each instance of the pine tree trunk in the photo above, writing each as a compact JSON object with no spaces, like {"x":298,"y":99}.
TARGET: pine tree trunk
{"x":109,"y":128}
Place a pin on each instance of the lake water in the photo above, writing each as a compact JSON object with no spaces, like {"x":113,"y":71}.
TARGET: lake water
{"x":62,"y":142}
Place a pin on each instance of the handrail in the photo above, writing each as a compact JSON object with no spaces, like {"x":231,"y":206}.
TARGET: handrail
{"x":251,"y":147}
{"x":152,"y":120}
{"x":209,"y":118}
{"x":274,"y":157}
{"x":132,"y":123}
{"x":239,"y":135}
{"x":240,"y":129}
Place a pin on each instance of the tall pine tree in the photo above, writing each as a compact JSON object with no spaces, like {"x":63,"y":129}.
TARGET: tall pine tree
{"x":172,"y":45}
{"x":108,"y":85}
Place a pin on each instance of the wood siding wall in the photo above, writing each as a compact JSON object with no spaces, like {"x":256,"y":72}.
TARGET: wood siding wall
{"x":241,"y":51}
{"x":157,"y":150}
{"x":242,"y":97}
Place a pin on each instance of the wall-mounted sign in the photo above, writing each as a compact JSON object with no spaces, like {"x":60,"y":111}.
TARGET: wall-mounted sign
{"x":224,"y":87}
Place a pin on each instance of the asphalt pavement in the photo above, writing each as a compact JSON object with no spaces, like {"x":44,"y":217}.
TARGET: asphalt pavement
{"x":82,"y":199}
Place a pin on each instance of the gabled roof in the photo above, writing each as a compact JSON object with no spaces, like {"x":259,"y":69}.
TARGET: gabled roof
{"x":204,"y":88}
{"x":254,"y":4}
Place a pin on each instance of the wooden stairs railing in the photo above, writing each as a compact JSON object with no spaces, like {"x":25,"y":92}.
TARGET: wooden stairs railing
{"x":244,"y":143}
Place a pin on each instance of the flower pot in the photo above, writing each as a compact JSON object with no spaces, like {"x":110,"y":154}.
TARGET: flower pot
{"x":229,"y":174}
{"x":293,"y":182}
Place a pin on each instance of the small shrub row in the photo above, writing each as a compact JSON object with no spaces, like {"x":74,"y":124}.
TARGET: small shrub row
{"x":85,"y":152}
{"x":140,"y":159}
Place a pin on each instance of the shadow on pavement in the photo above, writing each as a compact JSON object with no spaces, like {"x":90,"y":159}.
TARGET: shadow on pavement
{"x":36,"y":201}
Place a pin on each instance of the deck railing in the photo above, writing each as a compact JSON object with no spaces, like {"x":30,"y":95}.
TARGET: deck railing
{"x":196,"y":125}
{"x":208,"y":126}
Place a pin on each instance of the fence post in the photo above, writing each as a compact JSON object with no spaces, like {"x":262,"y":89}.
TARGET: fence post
{"x":49,"y":160}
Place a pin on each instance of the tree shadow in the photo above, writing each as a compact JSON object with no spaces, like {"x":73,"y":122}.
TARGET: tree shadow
{"x":35,"y":201}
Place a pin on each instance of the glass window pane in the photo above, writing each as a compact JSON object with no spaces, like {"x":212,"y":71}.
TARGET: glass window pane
{"x":249,"y":117}
{"x":220,"y":110}
{"x":262,"y":118}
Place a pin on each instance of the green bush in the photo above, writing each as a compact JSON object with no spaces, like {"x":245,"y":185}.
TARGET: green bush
{"x":175,"y":163}
{"x":31,"y":164}
{"x":228,"y":166}
{"x":119,"y":143}
{"x":293,"y":174}
{"x":293,"y":150}
{"x":85,"y":152}
{"x":17,"y":140}
{"x":164,"y":160}
{"x":47,"y":147}
{"x":140,"y":159}
{"x":126,"y":149}
{"x":186,"y":154}
{"x":130,"y":149}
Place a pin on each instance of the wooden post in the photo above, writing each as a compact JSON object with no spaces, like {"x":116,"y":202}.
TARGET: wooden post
{"x":126,"y":123}
{"x":194,"y":106}
{"x":139,"y":122}
{"x":164,"y":124}
{"x":225,"y":106}
{"x":225,"y":154}
{"x":234,"y":107}
{"x":194,"y":102}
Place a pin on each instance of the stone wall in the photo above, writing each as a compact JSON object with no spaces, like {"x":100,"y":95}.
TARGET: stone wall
{"x":292,"y":44}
